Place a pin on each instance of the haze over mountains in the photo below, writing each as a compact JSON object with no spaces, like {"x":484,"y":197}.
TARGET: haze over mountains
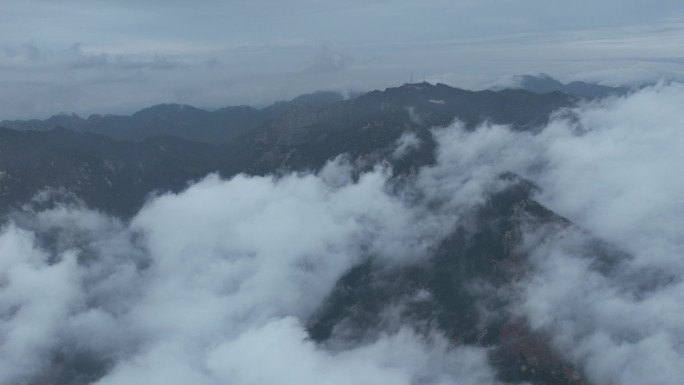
{"x":422,"y":234}
{"x":222,"y":125}
{"x":175,"y":119}
{"x":543,"y":83}
{"x":310,"y":130}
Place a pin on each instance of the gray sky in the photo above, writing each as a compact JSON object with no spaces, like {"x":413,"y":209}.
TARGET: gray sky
{"x":118,"y":56}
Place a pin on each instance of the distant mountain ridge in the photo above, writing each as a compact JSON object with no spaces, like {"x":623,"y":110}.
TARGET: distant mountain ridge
{"x":116,"y":175}
{"x":430,"y":104}
{"x":543,"y":84}
{"x":180,"y":120}
{"x":225,"y":124}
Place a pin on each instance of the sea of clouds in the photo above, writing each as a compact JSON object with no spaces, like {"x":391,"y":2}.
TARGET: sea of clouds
{"x":215,"y":284}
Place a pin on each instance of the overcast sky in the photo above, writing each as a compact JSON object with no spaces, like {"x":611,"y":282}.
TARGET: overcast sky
{"x":118,"y":56}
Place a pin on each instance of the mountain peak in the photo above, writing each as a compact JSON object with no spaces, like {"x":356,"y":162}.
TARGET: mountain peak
{"x":423,"y":84}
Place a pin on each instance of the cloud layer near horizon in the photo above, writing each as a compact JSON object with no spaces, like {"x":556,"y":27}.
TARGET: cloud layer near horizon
{"x":136,"y":54}
{"x":215,"y":284}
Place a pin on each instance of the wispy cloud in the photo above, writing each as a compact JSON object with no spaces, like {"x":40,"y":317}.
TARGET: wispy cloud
{"x":29,"y":57}
{"x":328,"y":58}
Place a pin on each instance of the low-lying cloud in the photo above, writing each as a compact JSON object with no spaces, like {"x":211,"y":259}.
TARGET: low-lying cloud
{"x":611,"y":167}
{"x":215,"y":284}
{"x":614,"y":171}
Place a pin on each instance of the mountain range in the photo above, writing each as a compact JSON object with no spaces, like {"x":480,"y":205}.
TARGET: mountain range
{"x":543,"y":83}
{"x":439,"y":105}
{"x":113,"y":164}
{"x":117,"y":175}
{"x":174,"y":119}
